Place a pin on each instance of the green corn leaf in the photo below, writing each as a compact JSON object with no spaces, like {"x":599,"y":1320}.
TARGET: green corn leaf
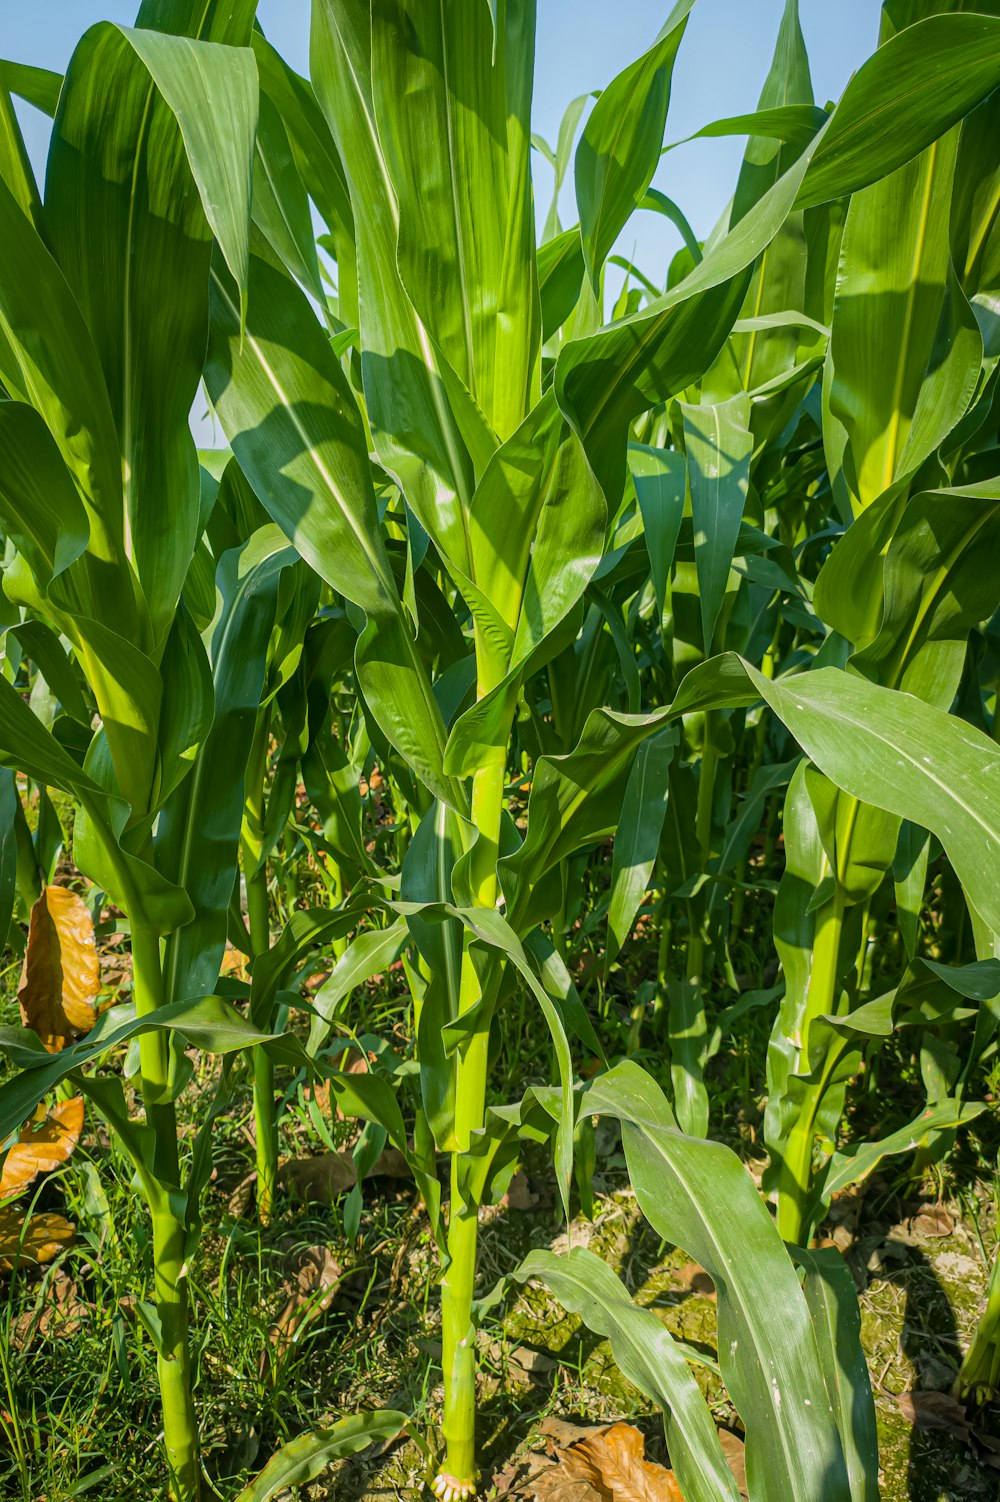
{"x":465,"y":239}
{"x":833,"y":1303}
{"x":620,"y":146}
{"x":559,"y":160}
{"x":427,"y":430}
{"x":537,"y":526}
{"x":208,"y":1022}
{"x":575,"y":802}
{"x":295,"y":428}
{"x":47,"y":358}
{"x":281,"y":204}
{"x":37,"y":86}
{"x":371,"y":952}
{"x":198,"y":834}
{"x":560,"y":277}
{"x":41,"y":510}
{"x":885,"y":748}
{"x":649,"y":1356}
{"x":718,"y":443}
{"x":698,"y":1195}
{"x":854,"y":1164}
{"x":660,"y":480}
{"x":9,"y":808}
{"x":791,"y":124}
{"x":15,"y":167}
{"x":273,"y":968}
{"x":905,"y":347}
{"x":637,"y":837}
{"x":302,"y":1459}
{"x":904,"y":97}
{"x":935,"y":590}
{"x":316,"y":159}
{"x":212,"y":91}
{"x":190,"y":119}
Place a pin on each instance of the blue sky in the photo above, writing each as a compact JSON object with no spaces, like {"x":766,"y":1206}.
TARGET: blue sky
{"x":581,"y":45}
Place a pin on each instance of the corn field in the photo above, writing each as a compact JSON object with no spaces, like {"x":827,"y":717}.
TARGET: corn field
{"x":551,"y":746}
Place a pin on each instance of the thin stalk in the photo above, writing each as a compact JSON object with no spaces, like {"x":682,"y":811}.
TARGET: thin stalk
{"x":757,"y":761}
{"x":687,"y":1040}
{"x":173,"y":1361}
{"x":795,"y":1180}
{"x":458,"y":1477}
{"x":979,"y":1373}
{"x":255,"y":875}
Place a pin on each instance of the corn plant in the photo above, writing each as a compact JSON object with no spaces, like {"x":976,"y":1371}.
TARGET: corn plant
{"x":621,"y":559}
{"x":130,"y":616}
{"x":510,"y":472}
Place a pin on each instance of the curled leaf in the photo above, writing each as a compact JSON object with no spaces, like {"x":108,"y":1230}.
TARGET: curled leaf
{"x":61,"y":974}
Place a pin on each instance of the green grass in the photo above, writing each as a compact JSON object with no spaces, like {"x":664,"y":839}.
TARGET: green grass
{"x":80,"y":1399}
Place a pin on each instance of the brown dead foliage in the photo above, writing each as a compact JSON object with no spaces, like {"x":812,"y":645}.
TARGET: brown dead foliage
{"x":45,"y":1142}
{"x":61,"y":975}
{"x":603,"y":1465}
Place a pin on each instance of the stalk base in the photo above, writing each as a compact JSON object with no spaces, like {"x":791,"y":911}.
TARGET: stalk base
{"x":450,"y":1489}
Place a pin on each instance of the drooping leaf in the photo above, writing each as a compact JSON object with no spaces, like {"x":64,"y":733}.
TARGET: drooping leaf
{"x":648,"y":1355}
{"x":698,"y":1195}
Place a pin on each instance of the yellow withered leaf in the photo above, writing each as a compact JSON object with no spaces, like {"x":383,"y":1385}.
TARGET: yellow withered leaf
{"x":42,"y":1145}
{"x":33,"y":1239}
{"x":61,"y":975}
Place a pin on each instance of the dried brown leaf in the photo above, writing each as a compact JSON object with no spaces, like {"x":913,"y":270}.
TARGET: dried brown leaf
{"x":734,"y":1449}
{"x":42,"y":1145}
{"x":934,"y":1410}
{"x":325,"y":1175}
{"x":607,"y":1466}
{"x":33,"y":1239}
{"x":524,"y":1359}
{"x":59,"y":1311}
{"x":520,"y":1195}
{"x":61,"y":975}
{"x":933,"y":1221}
{"x":693,"y":1276}
{"x":565,"y":1433}
{"x":311,"y":1288}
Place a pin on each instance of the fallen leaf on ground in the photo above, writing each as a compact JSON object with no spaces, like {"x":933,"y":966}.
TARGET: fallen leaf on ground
{"x":696,"y":1278}
{"x":31,"y":1239}
{"x":61,"y":975}
{"x":234,"y":962}
{"x":325,"y":1175}
{"x":42,"y":1145}
{"x":565,"y":1433}
{"x":933,"y":1221}
{"x":734,"y":1449}
{"x":934,"y":1410}
{"x":524,"y":1359}
{"x":59,"y":1311}
{"x":607,"y":1466}
{"x":243,"y":1196}
{"x":520,"y":1195}
{"x":311,"y":1289}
